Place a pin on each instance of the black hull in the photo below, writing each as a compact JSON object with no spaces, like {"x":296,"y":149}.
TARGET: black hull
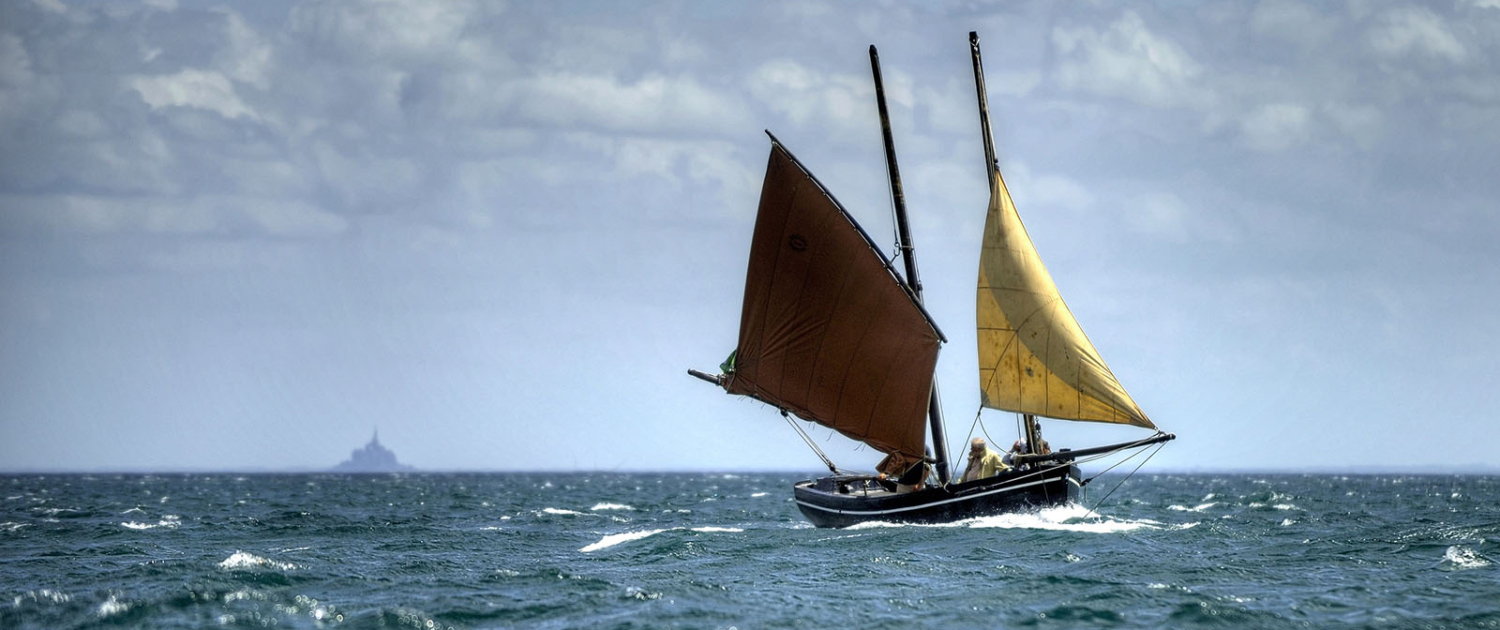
{"x":849,"y":500}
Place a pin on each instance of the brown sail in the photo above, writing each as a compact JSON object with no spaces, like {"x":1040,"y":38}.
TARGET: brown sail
{"x":827,"y":331}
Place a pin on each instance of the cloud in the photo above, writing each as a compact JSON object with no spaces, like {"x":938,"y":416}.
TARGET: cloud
{"x":246,"y":56}
{"x":1276,"y":126}
{"x":1044,"y":190}
{"x":1294,"y":22}
{"x":191,"y":88}
{"x":52,"y":6}
{"x":173,"y":216}
{"x":1361,"y":123}
{"x":1412,"y":31}
{"x":1127,"y":61}
{"x":654,"y":104}
{"x":17,"y":82}
{"x":815,"y":99}
{"x":387,"y":31}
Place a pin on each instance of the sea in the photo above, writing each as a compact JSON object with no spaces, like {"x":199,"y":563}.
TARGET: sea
{"x":680,"y":550}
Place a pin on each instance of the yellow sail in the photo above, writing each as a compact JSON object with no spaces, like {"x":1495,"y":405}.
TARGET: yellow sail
{"x":1033,"y":356}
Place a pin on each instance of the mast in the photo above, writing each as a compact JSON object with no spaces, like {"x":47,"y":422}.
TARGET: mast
{"x":991,"y":165}
{"x":909,"y":259}
{"x":984,"y":110}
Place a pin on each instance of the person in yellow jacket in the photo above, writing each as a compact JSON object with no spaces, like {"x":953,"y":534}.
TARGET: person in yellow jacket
{"x":983,"y":462}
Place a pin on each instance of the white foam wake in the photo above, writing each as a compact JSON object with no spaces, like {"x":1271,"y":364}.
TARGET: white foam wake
{"x":1070,"y":518}
{"x":615,"y":539}
{"x":242,"y":560}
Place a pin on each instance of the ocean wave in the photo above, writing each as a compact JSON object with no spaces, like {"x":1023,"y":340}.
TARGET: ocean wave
{"x":1256,"y":505}
{"x":11,"y":526}
{"x":45,"y":595}
{"x":1071,"y":518}
{"x":560,"y":512}
{"x":1198,"y":508}
{"x":170,"y":521}
{"x":240,"y":560}
{"x":112,"y":606}
{"x":1460,"y":557}
{"x":634,"y":592}
{"x":615,"y":539}
{"x":887,"y":524}
{"x":610,"y":506}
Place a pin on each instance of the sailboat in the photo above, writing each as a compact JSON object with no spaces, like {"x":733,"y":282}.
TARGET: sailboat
{"x":830,"y":333}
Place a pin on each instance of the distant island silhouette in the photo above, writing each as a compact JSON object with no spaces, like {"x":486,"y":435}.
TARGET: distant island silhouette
{"x":372,"y":458}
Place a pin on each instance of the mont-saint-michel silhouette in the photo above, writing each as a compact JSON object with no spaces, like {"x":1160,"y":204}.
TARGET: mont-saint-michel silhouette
{"x":372,"y":458}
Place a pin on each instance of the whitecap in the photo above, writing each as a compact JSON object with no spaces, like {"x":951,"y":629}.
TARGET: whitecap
{"x":242,"y":560}
{"x":1286,"y":522}
{"x":491,"y":528}
{"x":112,"y":606}
{"x":643,"y":595}
{"x":1460,"y":557}
{"x":1199,"y":508}
{"x":758,"y":495}
{"x":615,"y":539}
{"x":134,"y":510}
{"x":610,"y":506}
{"x":10,"y":526}
{"x":45,"y":595}
{"x":560,"y":511}
{"x":170,"y":521}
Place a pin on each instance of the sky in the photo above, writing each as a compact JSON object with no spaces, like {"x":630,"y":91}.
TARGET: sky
{"x":247,"y":235}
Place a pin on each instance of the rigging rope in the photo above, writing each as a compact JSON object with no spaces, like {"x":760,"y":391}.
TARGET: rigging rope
{"x":1159,"y":446}
{"x":978,"y":423}
{"x":806,"y":439}
{"x":895,"y":221}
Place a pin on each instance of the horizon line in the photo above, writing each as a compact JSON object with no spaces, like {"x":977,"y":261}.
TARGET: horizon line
{"x":1471,"y":469}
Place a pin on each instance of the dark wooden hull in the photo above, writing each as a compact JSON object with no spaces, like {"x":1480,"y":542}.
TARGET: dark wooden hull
{"x":846,"y":500}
